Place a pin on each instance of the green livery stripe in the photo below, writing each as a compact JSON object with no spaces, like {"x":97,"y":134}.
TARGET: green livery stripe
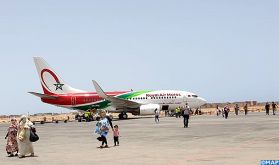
{"x":100,"y":105}
{"x":105,"y":104}
{"x":133,"y":94}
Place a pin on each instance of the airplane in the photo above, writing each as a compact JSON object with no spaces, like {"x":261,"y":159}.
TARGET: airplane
{"x":144,"y":102}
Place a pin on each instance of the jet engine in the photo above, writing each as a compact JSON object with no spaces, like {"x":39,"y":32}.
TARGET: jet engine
{"x":149,"y":109}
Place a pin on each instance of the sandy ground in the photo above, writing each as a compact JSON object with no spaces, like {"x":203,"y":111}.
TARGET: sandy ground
{"x":209,"y":140}
{"x":48,"y":118}
{"x":61,"y":117}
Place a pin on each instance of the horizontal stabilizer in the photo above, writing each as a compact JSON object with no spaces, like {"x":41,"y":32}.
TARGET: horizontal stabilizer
{"x":44,"y":96}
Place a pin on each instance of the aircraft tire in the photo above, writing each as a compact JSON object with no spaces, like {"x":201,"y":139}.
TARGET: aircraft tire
{"x":120,"y":116}
{"x":125,"y":116}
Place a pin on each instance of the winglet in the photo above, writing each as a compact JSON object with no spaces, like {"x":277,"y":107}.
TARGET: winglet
{"x":99,"y":90}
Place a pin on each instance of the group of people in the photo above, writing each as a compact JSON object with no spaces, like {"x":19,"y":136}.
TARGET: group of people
{"x":19,"y":135}
{"x":18,"y":138}
{"x":184,"y":111}
{"x":225,"y":111}
{"x":267,"y":108}
{"x":103,"y":124}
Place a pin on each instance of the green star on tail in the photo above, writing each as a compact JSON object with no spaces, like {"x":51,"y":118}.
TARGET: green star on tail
{"x":58,"y":86}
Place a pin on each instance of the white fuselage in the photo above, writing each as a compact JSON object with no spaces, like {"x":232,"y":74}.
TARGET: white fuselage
{"x":170,"y":99}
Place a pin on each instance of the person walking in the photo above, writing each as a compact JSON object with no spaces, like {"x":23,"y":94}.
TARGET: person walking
{"x":25,"y":146}
{"x":245,"y":109}
{"x":223,"y":112}
{"x":267,"y":107}
{"x":218,"y":111}
{"x":12,"y":146}
{"x":236,"y":109}
{"x":274,"y":106}
{"x":157,"y":114}
{"x":116,"y":135}
{"x":179,"y":112}
{"x":176,"y":112}
{"x":226,"y":111}
{"x":104,"y":129}
{"x":186,"y":115}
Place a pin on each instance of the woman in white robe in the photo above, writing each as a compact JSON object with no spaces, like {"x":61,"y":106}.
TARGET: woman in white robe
{"x":25,"y":146}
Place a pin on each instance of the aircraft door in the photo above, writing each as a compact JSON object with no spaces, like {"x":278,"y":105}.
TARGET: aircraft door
{"x":73,"y":100}
{"x":165,"y":107}
{"x":185,"y":99}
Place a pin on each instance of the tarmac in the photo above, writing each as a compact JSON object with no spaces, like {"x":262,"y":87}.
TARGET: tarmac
{"x":208,"y":140}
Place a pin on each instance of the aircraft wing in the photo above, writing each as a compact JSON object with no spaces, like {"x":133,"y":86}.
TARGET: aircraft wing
{"x":115,"y":101}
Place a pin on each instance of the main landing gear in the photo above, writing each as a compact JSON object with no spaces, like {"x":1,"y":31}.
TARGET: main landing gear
{"x":123,"y":115}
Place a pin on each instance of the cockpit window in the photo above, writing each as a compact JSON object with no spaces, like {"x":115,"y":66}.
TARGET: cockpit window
{"x":194,"y":95}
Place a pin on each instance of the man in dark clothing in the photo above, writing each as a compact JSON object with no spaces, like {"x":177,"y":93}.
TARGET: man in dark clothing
{"x":267,"y":106}
{"x":226,"y":111}
{"x":274,"y":106}
{"x":236,"y":109}
{"x":186,"y":115}
{"x":246,"y":109}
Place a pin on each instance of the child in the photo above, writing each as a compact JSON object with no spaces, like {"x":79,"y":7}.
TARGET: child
{"x":98,"y":126}
{"x":116,"y":135}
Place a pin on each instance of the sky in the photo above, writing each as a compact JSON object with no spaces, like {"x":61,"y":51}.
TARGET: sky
{"x":224,"y":51}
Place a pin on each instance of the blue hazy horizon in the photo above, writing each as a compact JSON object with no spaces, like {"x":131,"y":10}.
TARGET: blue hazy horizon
{"x":224,"y":51}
